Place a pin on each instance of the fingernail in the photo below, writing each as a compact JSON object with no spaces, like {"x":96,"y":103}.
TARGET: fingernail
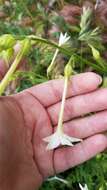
{"x":100,"y":79}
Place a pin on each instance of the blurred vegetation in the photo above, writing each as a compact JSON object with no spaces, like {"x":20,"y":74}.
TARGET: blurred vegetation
{"x":47,"y":19}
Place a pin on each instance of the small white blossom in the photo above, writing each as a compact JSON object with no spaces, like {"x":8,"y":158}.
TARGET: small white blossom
{"x":63,"y":39}
{"x":58,"y":179}
{"x":57,"y":139}
{"x":83,"y":188}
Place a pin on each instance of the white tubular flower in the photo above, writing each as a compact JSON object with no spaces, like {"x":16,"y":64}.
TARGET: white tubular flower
{"x":83,"y":188}
{"x":58,"y":138}
{"x":63,"y":39}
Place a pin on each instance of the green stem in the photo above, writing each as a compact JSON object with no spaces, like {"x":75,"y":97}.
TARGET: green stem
{"x":52,"y":65}
{"x":60,"y":121}
{"x":35,"y":39}
{"x":67,"y":52}
{"x":55,"y":45}
{"x":63,"y":50}
{"x":4,"y":83}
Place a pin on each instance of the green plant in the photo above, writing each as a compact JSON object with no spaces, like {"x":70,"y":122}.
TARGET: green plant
{"x":85,"y":46}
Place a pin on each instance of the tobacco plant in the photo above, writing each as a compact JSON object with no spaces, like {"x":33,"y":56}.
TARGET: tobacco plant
{"x":79,"y":48}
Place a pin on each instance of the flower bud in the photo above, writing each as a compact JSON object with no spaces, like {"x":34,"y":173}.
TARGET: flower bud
{"x":96,"y":53}
{"x":7,"y":41}
{"x":68,"y":70}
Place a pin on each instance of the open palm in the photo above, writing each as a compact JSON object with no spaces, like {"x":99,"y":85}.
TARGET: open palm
{"x":40,"y":106}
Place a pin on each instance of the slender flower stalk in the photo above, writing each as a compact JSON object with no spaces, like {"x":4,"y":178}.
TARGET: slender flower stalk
{"x":59,"y":137}
{"x":62,"y":40}
{"x":60,"y":128}
{"x":24,"y":48}
{"x":52,"y":65}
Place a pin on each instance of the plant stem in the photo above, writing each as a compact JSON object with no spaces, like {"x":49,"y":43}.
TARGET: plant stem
{"x":52,"y":65}
{"x":60,"y":121}
{"x":35,"y":39}
{"x":55,"y":45}
{"x":4,"y":83}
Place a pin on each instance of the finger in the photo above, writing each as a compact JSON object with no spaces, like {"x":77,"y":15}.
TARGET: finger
{"x":65,"y":158}
{"x":80,"y":105}
{"x":51,"y":92}
{"x":87,"y":126}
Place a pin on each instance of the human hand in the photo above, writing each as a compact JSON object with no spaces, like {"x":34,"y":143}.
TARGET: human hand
{"x":39,"y":109}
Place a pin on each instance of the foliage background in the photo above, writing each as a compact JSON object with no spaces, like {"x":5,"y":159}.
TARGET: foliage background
{"x":42,"y":18}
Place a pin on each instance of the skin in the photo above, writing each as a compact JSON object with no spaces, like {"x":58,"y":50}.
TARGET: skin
{"x":26,"y":118}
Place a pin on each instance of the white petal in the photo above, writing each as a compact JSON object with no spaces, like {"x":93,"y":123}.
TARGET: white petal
{"x":48,"y":139}
{"x":53,"y":144}
{"x":72,"y":139}
{"x":65,"y":141}
{"x":83,"y":188}
{"x":80,"y":186}
{"x":63,"y":39}
{"x":57,"y":139}
{"x":58,"y":179}
{"x":54,"y":141}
